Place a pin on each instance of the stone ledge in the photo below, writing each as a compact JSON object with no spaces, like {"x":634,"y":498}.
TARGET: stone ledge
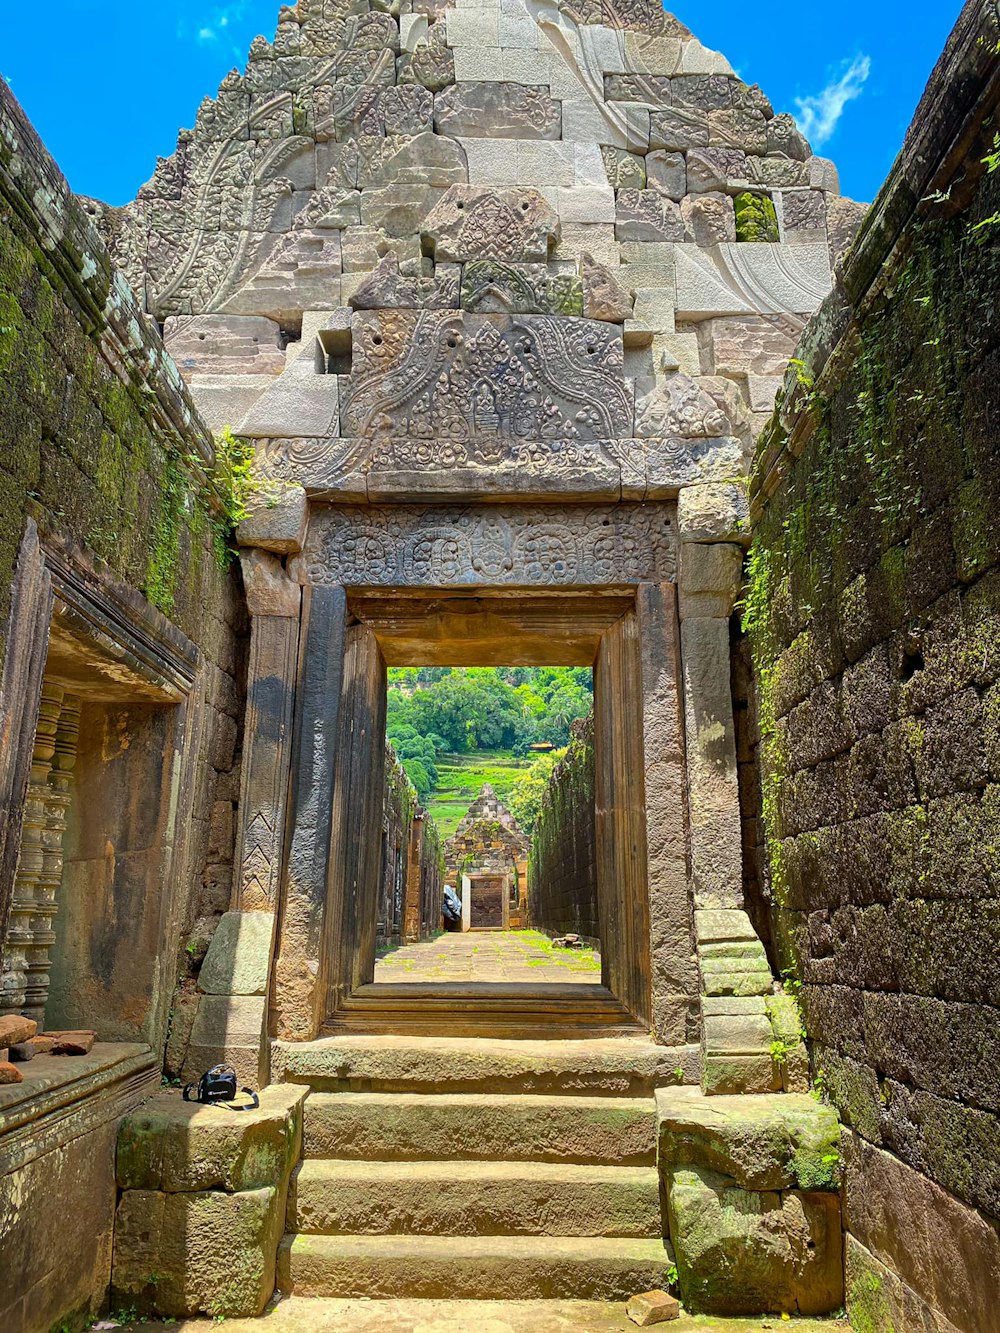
{"x":102,"y":1086}
{"x":176,"y":1146}
{"x":764,"y":1142}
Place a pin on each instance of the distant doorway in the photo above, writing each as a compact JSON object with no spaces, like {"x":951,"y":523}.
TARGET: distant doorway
{"x":489,"y":899}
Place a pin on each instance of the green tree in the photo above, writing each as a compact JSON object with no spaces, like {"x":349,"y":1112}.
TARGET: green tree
{"x":526,"y":794}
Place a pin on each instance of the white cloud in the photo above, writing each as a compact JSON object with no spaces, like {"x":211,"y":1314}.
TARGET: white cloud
{"x":214,"y":24}
{"x":819,"y":116}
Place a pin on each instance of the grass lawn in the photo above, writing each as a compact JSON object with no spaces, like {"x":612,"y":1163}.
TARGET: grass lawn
{"x":461,"y":778}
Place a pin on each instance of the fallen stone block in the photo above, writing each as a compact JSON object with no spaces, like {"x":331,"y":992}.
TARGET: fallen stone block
{"x":14,"y":1029}
{"x":43,"y":1044}
{"x":73,"y":1043}
{"x":21,"y":1052}
{"x":652,"y":1307}
{"x":10,"y":1073}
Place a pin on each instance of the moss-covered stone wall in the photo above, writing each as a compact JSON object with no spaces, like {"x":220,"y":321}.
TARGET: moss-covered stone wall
{"x":97,"y":431}
{"x":562,"y":867}
{"x":873,"y":609}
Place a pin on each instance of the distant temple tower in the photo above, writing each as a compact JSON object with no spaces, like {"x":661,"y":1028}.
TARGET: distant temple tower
{"x":487,"y":860}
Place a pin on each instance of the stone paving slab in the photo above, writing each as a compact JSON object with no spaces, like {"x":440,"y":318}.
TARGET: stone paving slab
{"x":490,"y":956}
{"x":299,"y":1315}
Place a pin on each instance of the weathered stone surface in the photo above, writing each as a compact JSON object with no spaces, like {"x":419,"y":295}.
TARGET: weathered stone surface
{"x":238,"y":961}
{"x":625,"y":171}
{"x":276,"y":522}
{"x":385,"y":546}
{"x":416,"y":1127}
{"x":779,"y":1142}
{"x":667,"y":173}
{"x":945,"y":1252}
{"x":9,"y":1073}
{"x":741,"y":1251}
{"x":497,"y":110}
{"x":471,"y":1267}
{"x":652,"y":1307}
{"x":181,"y":1147}
{"x":710,"y":579}
{"x":678,"y":406}
{"x":388,"y":289}
{"x":784,"y":137}
{"x":223,"y":344}
{"x":722,"y":169}
{"x":678,"y":129}
{"x":603,"y":295}
{"x":473,"y":1198}
{"x":467,"y":377}
{"x":301,"y":400}
{"x":14,"y":1029}
{"x":470,"y":222}
{"x":186,"y":1254}
{"x":713,"y":513}
{"x":492,"y":287}
{"x":623,"y":1066}
{"x":228,"y":1029}
{"x":647,"y":215}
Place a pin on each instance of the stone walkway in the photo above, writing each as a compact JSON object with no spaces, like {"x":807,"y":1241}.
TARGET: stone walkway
{"x":490,"y":956}
{"x":333,"y":1316}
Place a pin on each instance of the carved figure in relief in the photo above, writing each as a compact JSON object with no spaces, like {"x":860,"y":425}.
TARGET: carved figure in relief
{"x":445,"y":376}
{"x":490,"y":544}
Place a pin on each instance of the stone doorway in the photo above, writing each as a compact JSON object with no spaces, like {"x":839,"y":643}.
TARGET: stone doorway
{"x":489,"y":901}
{"x":373,"y":628}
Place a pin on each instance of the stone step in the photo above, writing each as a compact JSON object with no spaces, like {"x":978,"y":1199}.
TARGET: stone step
{"x":613,"y":1066}
{"x":375,"y":1126}
{"x":471,"y":1267}
{"x":474,"y":1198}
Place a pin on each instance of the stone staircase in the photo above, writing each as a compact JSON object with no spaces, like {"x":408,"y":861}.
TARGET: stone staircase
{"x":477,"y":1170}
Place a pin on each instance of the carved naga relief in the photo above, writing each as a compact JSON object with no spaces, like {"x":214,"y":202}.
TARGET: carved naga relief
{"x":446,"y":376}
{"x":604,"y":545}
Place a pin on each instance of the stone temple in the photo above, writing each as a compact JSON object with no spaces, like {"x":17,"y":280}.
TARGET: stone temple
{"x":511,"y":332}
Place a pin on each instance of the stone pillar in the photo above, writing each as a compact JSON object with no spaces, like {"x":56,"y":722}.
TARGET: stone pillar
{"x":231,"y":1023}
{"x":672,"y":955}
{"x":735,"y":975}
{"x":414,"y":867}
{"x":57,"y":805}
{"x":17,"y":980}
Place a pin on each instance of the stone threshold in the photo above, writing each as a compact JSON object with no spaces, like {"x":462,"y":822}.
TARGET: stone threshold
{"x":87,"y":1089}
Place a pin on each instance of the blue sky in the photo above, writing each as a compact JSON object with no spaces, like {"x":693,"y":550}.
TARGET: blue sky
{"x":108,"y":83}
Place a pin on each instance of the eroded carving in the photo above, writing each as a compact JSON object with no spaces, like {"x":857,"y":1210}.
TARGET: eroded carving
{"x":455,"y":377}
{"x":491,"y":545}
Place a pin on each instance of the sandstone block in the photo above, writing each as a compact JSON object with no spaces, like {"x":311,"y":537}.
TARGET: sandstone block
{"x":497,"y":111}
{"x":742,"y":129}
{"x":227,"y":1029}
{"x":203,"y":1253}
{"x":712,"y":513}
{"x":299,"y":402}
{"x":603,"y":295}
{"x":276,"y":524}
{"x":238,"y":961}
{"x":15,"y":1029}
{"x":678,"y":129}
{"x":677,"y":406}
{"x":667,"y":173}
{"x":397,"y":211}
{"x":710,"y":578}
{"x":471,"y":222}
{"x":784,"y":137}
{"x":774,"y":1142}
{"x":73,"y":1043}
{"x":625,"y":171}
{"x":722,"y":169}
{"x":180,"y":1147}
{"x":389,"y":289}
{"x":708,"y":218}
{"x":652,"y":1307}
{"x":9,"y":1073}
{"x":740,"y":1252}
{"x":647,"y":215}
{"x":492,"y":287}
{"x":224,"y":400}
